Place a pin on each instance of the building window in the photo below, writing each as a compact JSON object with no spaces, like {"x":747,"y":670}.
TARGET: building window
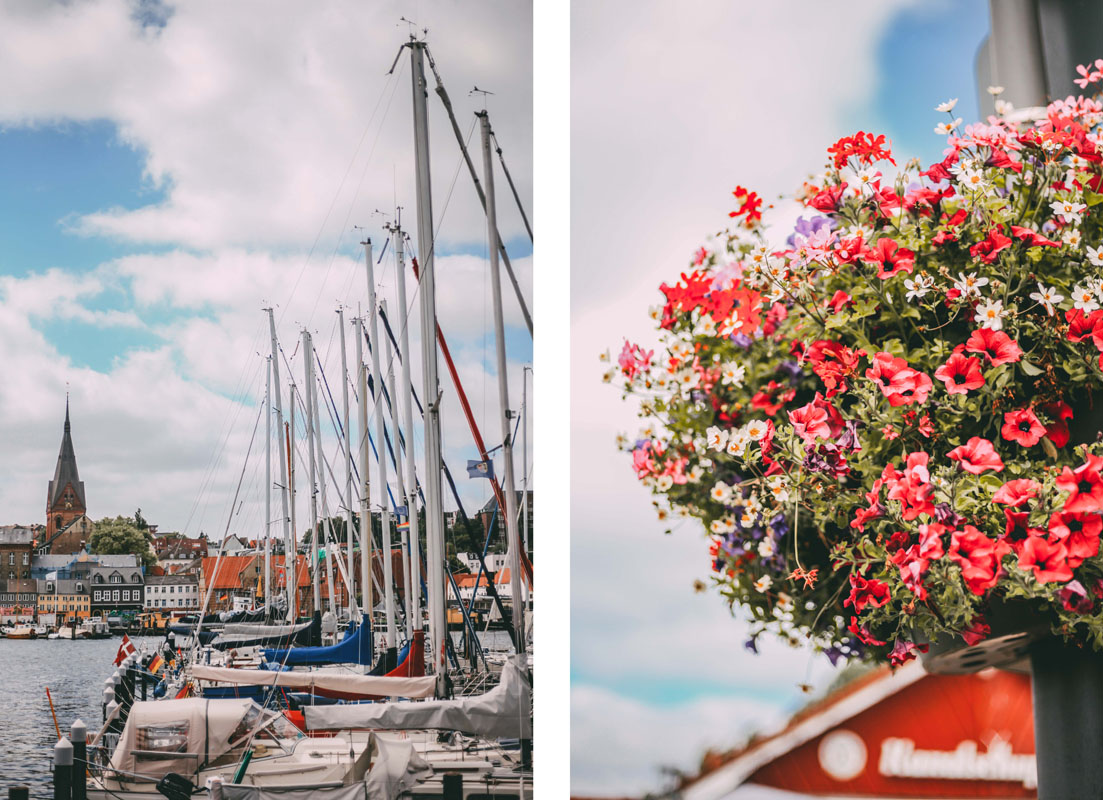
{"x":26,"y":559}
{"x":115,"y":595}
{"x":116,"y":578}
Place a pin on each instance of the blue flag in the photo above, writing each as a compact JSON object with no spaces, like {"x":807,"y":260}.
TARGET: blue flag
{"x":480,"y":469}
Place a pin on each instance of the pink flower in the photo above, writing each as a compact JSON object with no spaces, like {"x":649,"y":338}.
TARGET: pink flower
{"x":818,"y":419}
{"x":1015,"y":493}
{"x":1084,"y":485}
{"x":901,"y":384}
{"x":997,"y":346}
{"x":889,"y":258}
{"x":866,"y":593}
{"x":1048,"y":560}
{"x":1022,"y":426}
{"x":979,"y":558}
{"x":976,"y":456}
{"x":960,"y":374}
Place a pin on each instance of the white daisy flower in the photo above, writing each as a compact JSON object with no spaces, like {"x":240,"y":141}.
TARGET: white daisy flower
{"x":1084,"y":299}
{"x":663,"y":483}
{"x":919,"y":287}
{"x":1072,"y":237}
{"x":990,"y":314}
{"x":695,"y":473}
{"x":867,"y":178}
{"x":755,"y":429}
{"x":944,"y":128}
{"x":969,"y":285}
{"x":766,"y":547}
{"x":946,"y":107}
{"x":721,"y":492}
{"x":778,"y":488}
{"x":1047,"y":296}
{"x":716,"y":438}
{"x":732,"y":374}
{"x":1068,"y":210}
{"x":995,"y":90}
{"x":972,"y":178}
{"x":1095,"y":255}
{"x":1003,"y":108}
{"x":763,"y":583}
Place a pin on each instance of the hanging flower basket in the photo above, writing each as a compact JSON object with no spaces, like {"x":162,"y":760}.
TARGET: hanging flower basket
{"x":888,"y":421}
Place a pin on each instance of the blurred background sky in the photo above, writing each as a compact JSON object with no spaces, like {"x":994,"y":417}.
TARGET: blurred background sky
{"x":672,"y":106}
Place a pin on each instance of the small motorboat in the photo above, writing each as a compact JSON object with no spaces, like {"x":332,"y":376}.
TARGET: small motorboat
{"x":201,"y":739}
{"x":21,"y":632}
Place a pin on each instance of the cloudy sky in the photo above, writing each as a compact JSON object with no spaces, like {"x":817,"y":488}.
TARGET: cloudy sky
{"x":672,"y":106}
{"x":168,"y":170}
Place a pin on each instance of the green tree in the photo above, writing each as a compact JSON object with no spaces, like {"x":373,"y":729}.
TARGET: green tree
{"x":121,"y":535}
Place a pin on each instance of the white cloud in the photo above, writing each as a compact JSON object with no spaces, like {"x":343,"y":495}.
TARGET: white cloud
{"x":670,"y":110}
{"x":259,"y":123}
{"x":256,"y":117}
{"x":619,"y":745}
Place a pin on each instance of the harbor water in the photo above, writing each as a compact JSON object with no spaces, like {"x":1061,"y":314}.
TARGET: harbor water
{"x":74,"y":672}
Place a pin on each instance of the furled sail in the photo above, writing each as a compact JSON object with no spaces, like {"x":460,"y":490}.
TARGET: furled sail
{"x":503,"y":712}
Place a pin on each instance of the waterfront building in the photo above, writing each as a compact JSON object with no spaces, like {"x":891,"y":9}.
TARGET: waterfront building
{"x":116,"y":590}
{"x":171,"y":593}
{"x":16,"y":542}
{"x":63,"y":601}
{"x":67,"y":528}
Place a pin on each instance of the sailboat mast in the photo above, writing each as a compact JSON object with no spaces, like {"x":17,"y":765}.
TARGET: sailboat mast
{"x":348,"y":469}
{"x":380,"y":438}
{"x":328,"y":539}
{"x":283,"y":463}
{"x":512,"y":534}
{"x":268,"y":492}
{"x":434,"y":514}
{"x":366,"y":576}
{"x":408,"y":424}
{"x":398,"y":454}
{"x":308,"y":355}
{"x":291,"y":547}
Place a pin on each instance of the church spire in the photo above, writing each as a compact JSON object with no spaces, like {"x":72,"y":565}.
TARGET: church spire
{"x":65,"y":474}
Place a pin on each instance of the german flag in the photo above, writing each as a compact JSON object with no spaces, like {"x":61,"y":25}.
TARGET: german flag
{"x":156,"y":664}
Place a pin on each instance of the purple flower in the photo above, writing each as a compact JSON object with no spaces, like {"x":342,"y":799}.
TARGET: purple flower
{"x":752,"y":644}
{"x":945,"y":515}
{"x":806,"y":227}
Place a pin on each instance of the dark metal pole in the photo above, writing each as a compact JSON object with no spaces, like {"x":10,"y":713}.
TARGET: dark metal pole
{"x":79,"y":735}
{"x":1068,"y":720}
{"x":63,"y":767}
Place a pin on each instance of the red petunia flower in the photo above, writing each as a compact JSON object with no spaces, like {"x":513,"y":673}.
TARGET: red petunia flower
{"x":904,"y":651}
{"x":818,"y":419}
{"x":979,"y":558}
{"x":889,"y":258}
{"x":960,"y":374}
{"x":901,"y":384}
{"x":997,"y":346}
{"x":1084,"y":485}
{"x":1058,"y":430}
{"x":1032,"y":238}
{"x":866,"y":593}
{"x":977,"y":632}
{"x":976,"y":456}
{"x":1022,"y":426}
{"x":1074,"y":597}
{"x":1048,"y":560}
{"x":1079,"y":532}
{"x":833,"y":362}
{"x":1015,"y":493}
{"x":988,"y":249}
{"x":1083,"y":326}
{"x":773,"y":397}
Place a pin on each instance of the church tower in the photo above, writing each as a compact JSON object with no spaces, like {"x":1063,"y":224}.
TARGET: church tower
{"x":65,"y":502}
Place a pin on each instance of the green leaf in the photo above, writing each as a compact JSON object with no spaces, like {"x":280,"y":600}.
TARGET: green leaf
{"x":1029,"y":368}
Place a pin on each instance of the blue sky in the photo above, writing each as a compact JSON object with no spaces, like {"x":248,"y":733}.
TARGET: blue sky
{"x":162,"y":183}
{"x":658,"y":671}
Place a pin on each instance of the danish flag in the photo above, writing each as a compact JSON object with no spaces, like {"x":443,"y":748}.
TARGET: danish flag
{"x":125,"y":649}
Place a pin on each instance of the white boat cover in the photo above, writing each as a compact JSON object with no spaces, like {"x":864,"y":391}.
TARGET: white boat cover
{"x":327,"y":679}
{"x":259,"y":629}
{"x":395,"y":768}
{"x":197,"y":729}
{"x":503,"y":712}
